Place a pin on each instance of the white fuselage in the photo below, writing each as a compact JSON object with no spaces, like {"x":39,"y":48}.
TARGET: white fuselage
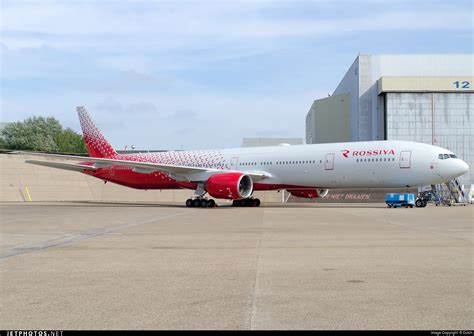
{"x":375,"y":164}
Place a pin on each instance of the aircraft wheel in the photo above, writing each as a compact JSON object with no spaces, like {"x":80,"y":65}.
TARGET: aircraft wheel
{"x":419,"y":203}
{"x":256,"y":202}
{"x":189,"y":203}
{"x":196,"y":203}
{"x":211,"y":203}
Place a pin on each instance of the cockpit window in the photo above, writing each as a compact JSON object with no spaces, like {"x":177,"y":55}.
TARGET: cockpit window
{"x":446,"y":156}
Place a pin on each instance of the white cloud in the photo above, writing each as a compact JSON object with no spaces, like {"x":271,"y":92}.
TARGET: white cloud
{"x":166,"y":121}
{"x":168,"y":24}
{"x":139,"y":64}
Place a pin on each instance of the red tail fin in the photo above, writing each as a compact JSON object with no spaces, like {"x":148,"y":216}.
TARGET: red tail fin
{"x":96,"y":144}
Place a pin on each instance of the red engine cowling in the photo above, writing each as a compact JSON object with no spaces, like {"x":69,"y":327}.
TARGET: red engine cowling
{"x":230,"y":186}
{"x":309,"y":193}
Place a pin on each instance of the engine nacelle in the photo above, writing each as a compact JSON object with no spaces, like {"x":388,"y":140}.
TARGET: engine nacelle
{"x":309,"y":193}
{"x":230,"y":186}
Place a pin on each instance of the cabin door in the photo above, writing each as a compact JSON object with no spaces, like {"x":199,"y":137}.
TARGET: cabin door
{"x":329,"y":162}
{"x":405,"y":159}
{"x":233,"y":163}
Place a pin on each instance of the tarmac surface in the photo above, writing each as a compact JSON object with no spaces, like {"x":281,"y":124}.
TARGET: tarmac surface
{"x":81,"y":265}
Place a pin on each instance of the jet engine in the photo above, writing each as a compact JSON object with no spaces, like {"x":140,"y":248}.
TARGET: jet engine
{"x":309,"y":193}
{"x":230,"y":186}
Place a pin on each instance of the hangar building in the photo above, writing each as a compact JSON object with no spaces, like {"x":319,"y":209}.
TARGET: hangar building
{"x":423,"y":98}
{"x":258,"y":142}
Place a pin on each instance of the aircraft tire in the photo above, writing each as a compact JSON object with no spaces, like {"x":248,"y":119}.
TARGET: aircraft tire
{"x":189,"y":203}
{"x":256,"y":202}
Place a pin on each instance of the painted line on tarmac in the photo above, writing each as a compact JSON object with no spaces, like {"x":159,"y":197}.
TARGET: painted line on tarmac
{"x":70,"y":238}
{"x":256,"y":285}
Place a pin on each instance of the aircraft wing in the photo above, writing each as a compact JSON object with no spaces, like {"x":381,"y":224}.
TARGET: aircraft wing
{"x":61,"y":165}
{"x":182,"y":173}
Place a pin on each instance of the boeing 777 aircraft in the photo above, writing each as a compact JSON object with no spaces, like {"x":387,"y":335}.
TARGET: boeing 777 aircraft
{"x":303,"y":170}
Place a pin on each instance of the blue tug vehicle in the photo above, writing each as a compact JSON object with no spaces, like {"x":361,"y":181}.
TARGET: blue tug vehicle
{"x":400,"y":200}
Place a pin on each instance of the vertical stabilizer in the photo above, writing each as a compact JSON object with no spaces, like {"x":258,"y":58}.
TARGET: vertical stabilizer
{"x":96,"y":144}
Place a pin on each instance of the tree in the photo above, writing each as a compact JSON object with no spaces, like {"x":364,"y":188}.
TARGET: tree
{"x":42,"y":134}
{"x":3,"y":144}
{"x":69,"y":141}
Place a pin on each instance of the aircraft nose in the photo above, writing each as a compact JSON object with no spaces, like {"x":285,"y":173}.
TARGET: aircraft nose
{"x":458,"y":168}
{"x":463,"y":167}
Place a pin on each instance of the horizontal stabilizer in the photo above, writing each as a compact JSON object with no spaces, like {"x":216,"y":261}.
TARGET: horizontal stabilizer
{"x":61,"y":165}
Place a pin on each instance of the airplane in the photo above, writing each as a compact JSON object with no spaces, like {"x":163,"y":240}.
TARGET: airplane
{"x":307,"y":171}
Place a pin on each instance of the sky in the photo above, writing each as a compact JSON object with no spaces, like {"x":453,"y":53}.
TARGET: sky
{"x":203,"y":74}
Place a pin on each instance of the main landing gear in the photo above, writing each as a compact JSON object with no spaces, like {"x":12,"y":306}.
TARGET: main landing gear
{"x":210,"y":203}
{"x":200,"y":203}
{"x":246,"y":202}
